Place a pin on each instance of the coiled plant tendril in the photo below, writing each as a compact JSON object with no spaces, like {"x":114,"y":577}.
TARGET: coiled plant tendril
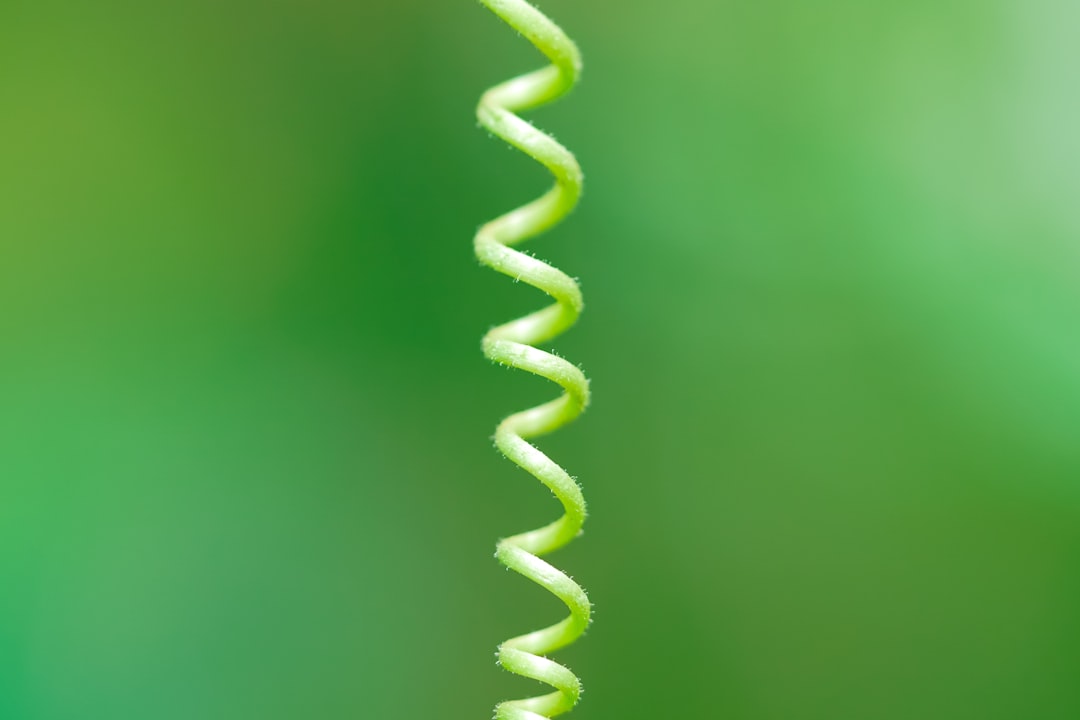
{"x":514,"y":344}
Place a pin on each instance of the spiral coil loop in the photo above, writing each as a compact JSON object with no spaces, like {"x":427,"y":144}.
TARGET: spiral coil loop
{"x":513,"y":344}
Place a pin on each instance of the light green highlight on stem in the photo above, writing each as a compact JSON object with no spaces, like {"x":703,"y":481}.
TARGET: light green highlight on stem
{"x":513,"y":344}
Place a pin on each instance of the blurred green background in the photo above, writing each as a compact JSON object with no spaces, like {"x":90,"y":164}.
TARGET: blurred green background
{"x":830,"y":254}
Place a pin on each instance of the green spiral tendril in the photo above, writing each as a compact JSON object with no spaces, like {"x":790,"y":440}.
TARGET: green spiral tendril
{"x":513,"y":344}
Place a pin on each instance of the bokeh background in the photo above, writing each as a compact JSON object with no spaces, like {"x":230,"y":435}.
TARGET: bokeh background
{"x":830,"y":255}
